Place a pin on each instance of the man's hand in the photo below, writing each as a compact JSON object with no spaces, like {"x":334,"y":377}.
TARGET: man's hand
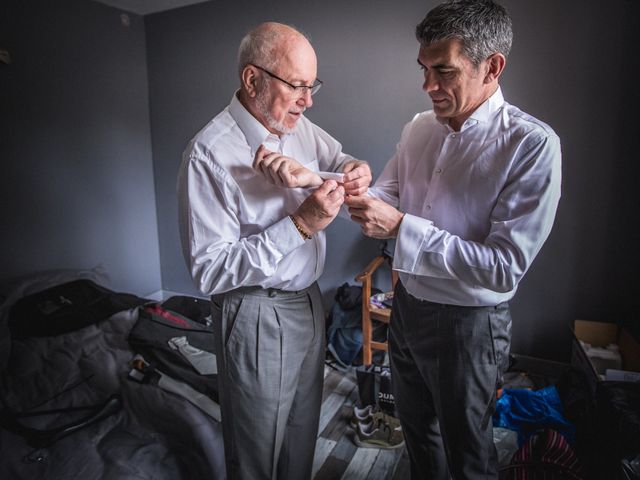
{"x":376,"y":218}
{"x":357,"y":177}
{"x":283,"y":171}
{"x":320,"y":208}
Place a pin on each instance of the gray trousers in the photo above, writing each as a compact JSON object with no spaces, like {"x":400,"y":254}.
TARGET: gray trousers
{"x":446,"y":362}
{"x":270,"y":354}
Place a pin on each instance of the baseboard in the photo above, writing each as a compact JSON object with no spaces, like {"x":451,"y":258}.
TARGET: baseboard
{"x":157,"y":296}
{"x":161,"y":295}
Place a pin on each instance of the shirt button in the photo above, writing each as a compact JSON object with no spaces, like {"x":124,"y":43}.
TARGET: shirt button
{"x":438,"y":170}
{"x":428,"y":207}
{"x":453,"y":135}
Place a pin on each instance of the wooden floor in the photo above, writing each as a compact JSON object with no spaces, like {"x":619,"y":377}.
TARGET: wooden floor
{"x":337,"y":456}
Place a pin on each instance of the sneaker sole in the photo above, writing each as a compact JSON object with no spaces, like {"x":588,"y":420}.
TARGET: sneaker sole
{"x":376,"y":444}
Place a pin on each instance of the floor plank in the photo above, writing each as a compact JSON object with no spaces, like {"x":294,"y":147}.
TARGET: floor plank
{"x":385,"y":464}
{"x":337,"y":456}
{"x":340,"y":422}
{"x":335,"y":465}
{"x":403,"y":468}
{"x":360,"y":464}
{"x":334,"y":401}
{"x":331,"y":381}
{"x":324,"y":447}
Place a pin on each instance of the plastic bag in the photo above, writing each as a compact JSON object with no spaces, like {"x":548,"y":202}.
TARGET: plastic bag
{"x":526,"y":411}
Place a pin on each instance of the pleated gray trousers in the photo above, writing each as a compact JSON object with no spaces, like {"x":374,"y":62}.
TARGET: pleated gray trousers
{"x":270,"y":353}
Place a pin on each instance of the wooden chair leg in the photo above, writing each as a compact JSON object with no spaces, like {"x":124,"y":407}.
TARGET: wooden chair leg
{"x":366,"y":323}
{"x":366,"y":341}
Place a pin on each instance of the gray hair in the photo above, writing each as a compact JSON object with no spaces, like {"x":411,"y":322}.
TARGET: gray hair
{"x":483,"y":27}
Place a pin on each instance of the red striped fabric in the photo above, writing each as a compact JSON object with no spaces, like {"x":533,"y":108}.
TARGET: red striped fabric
{"x":545,"y":456}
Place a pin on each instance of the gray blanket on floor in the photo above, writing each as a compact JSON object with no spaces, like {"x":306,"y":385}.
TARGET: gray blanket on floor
{"x":155,"y":435}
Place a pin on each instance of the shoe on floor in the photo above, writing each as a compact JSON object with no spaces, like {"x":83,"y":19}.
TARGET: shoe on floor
{"x":361,"y":415}
{"x":383,"y":435}
{"x":372,"y":414}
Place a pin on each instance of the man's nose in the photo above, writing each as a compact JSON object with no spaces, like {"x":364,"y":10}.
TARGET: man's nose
{"x":430,"y":82}
{"x":306,"y":100}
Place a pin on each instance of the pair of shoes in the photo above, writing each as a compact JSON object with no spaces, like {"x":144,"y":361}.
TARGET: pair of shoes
{"x":371,"y":414}
{"x":383,"y":435}
{"x":375,"y":428}
{"x":361,"y":415}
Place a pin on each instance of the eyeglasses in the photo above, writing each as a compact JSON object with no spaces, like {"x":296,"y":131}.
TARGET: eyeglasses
{"x":300,"y":90}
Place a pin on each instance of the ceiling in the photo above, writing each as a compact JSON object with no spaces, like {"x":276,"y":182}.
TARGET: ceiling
{"x":143,"y":7}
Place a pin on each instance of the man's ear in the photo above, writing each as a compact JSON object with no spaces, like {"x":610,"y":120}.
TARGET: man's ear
{"x":249,"y":79}
{"x":495,"y":66}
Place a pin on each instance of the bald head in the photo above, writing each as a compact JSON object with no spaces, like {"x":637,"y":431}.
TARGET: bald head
{"x":273,"y":61}
{"x":269,"y":43}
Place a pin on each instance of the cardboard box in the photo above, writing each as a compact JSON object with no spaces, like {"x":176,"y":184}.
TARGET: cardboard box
{"x":600,"y":334}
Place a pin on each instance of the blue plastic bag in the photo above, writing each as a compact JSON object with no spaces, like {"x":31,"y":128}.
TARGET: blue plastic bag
{"x":526,"y":411}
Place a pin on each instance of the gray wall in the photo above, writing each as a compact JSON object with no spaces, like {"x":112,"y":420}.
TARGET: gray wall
{"x":78,"y":121}
{"x":77,"y":171}
{"x":192,"y":76}
{"x":567,"y":68}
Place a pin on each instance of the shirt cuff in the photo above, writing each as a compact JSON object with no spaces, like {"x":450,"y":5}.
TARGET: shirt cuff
{"x":283,"y":236}
{"x":411,"y":235}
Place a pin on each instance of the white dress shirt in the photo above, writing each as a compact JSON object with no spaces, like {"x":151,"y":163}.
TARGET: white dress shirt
{"x":479,"y":203}
{"x":234,"y":225}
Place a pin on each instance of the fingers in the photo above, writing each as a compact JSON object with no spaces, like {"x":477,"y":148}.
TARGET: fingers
{"x":358,"y":206}
{"x":376,"y":218}
{"x":358,"y":216}
{"x":352,"y":171}
{"x":337,"y":195}
{"x":261,"y":161}
{"x":260,"y":153}
{"x":361,"y":201}
{"x":284,"y":171}
{"x":274,"y":167}
{"x":356,"y":191}
{"x":282,"y":174}
{"x":266,"y":159}
{"x":330,"y":195}
{"x":356,"y":187}
{"x":357,"y":177}
{"x":321,"y":207}
{"x":328,"y":186}
{"x":356,"y":169}
{"x":349,"y":166}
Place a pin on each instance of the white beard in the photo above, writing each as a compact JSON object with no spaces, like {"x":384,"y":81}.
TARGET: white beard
{"x":262,"y":104}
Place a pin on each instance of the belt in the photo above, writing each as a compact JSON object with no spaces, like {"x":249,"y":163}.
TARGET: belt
{"x":429,"y":303}
{"x":264,"y":292}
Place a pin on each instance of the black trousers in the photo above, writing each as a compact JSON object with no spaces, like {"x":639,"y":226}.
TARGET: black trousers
{"x":446,"y":363}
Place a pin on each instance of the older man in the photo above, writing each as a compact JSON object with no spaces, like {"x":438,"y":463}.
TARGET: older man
{"x":471,"y":196}
{"x":258,"y":249}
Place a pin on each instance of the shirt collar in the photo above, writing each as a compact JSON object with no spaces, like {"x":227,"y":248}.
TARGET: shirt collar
{"x":490,"y":106}
{"x":483,"y":113}
{"x":255,"y":133}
